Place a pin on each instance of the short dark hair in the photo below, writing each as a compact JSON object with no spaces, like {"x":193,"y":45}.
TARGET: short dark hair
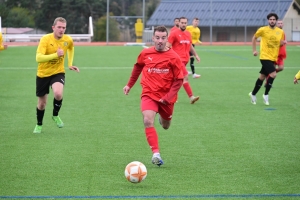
{"x":160,"y":29}
{"x":272,"y":15}
{"x":196,"y":18}
{"x":182,"y":18}
{"x":176,"y":18}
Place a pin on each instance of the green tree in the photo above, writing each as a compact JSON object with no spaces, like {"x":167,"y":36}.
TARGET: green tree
{"x":76,"y":12}
{"x":19,"y":17}
{"x":100,"y":30}
{"x":4,"y":11}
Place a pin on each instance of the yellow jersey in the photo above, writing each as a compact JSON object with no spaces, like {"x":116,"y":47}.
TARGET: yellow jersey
{"x":195,"y":33}
{"x":270,"y":42}
{"x":1,"y":42}
{"x":298,"y":75}
{"x":49,"y":45}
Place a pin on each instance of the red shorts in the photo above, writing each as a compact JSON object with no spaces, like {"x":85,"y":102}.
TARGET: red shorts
{"x":165,"y":111}
{"x":184,"y":71}
{"x":279,"y":61}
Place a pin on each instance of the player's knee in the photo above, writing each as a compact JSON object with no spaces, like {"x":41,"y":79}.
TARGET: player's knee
{"x":58,"y":96}
{"x":280,"y":68}
{"x":166,"y":126}
{"x":41,"y":105}
{"x":148,"y":122}
{"x":273,"y":75}
{"x":186,"y":79}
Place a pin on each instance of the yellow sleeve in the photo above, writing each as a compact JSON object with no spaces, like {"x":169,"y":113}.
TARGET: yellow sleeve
{"x":70,"y":56}
{"x":40,"y":58}
{"x":259,"y":32}
{"x":1,"y":42}
{"x":298,"y":75}
{"x":188,"y":28}
{"x":199,"y":34}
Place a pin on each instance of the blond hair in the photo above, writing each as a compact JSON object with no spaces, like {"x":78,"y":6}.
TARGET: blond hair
{"x":59,"y":19}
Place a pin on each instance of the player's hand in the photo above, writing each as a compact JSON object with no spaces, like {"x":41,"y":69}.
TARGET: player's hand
{"x":283,"y":42}
{"x":5,"y":46}
{"x":126,"y":90}
{"x":295,"y":80}
{"x":74,"y":68}
{"x":163,"y":101}
{"x":254,"y":53}
{"x":197,"y":58}
{"x":167,"y":48}
{"x":60,"y":52}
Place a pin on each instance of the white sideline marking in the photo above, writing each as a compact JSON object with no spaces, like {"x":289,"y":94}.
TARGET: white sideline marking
{"x":118,"y":68}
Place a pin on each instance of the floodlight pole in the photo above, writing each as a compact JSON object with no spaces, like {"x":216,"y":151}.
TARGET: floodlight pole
{"x":143,"y":14}
{"x":210,"y":27}
{"x":107,"y":22}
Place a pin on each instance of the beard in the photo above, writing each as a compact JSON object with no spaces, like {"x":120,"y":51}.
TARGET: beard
{"x":272,"y":25}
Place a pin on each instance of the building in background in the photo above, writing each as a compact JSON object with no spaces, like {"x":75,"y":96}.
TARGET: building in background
{"x":229,"y":20}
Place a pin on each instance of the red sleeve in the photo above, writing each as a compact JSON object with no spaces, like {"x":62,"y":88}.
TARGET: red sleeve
{"x":173,"y":90}
{"x":178,"y":79}
{"x":136,"y":71}
{"x":171,"y":37}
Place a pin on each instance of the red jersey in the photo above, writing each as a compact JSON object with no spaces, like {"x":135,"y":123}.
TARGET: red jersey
{"x":282,"y":50}
{"x":159,"y":71}
{"x":173,"y":28}
{"x":181,"y":43}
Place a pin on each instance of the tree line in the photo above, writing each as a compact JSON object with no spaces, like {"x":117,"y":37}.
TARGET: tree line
{"x":40,"y":14}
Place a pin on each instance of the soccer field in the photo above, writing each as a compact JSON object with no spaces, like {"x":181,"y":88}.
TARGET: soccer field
{"x":222,"y":147}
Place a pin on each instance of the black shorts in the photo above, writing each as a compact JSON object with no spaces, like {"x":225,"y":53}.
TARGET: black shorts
{"x":191,"y":52}
{"x":43,"y":84}
{"x":267,"y":67}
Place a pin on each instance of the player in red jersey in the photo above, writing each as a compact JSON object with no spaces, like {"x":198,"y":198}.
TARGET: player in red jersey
{"x":282,"y":50}
{"x":181,"y":42}
{"x":161,"y":80}
{"x":176,"y":24}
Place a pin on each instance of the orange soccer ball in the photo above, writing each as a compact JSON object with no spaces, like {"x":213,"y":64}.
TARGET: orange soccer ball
{"x":135,"y":172}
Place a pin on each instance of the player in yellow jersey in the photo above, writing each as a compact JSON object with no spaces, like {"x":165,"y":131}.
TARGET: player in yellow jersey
{"x":297,"y":77}
{"x":195,"y":33}
{"x":2,"y":47}
{"x":272,"y":38}
{"x":50,"y":55}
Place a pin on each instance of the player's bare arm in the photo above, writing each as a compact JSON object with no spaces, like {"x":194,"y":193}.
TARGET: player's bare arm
{"x":126,"y":90}
{"x":74,"y":68}
{"x":192,"y":49}
{"x":254,"y":46}
{"x":295,"y":80}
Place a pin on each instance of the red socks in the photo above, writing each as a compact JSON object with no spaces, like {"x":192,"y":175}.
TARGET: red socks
{"x":188,"y":89}
{"x":152,"y":139}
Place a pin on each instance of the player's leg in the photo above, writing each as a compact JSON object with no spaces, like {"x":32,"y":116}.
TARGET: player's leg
{"x":42,"y":91}
{"x":186,"y":85}
{"x":165,"y":115}
{"x":57,"y":84}
{"x":280,"y":64}
{"x":192,"y":59}
{"x":270,"y":69}
{"x":258,"y":84}
{"x":191,"y":64}
{"x":149,"y":109}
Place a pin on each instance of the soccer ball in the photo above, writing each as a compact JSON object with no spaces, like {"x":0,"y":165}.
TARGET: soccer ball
{"x":135,"y":172}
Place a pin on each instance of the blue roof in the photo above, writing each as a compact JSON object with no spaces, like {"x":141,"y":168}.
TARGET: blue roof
{"x":224,"y":12}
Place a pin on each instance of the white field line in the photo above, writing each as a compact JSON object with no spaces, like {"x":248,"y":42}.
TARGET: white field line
{"x":118,"y":68}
